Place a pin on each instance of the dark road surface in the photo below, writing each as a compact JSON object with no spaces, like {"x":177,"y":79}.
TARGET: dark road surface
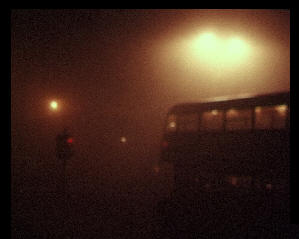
{"x":120,"y":201}
{"x":114,"y":201}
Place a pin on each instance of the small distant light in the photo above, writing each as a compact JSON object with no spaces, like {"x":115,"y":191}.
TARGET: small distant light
{"x":172,"y":125}
{"x":123,"y":139}
{"x":234,"y":181}
{"x":269,"y":186}
{"x":156,"y":169}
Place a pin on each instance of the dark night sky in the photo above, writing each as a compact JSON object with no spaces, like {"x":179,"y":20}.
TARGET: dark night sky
{"x":117,"y":71}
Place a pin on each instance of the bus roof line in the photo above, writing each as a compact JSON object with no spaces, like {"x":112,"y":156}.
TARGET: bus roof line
{"x":227,"y":99}
{"x":238,"y":96}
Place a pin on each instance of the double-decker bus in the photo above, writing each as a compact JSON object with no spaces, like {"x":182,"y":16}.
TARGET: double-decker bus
{"x":234,"y":144}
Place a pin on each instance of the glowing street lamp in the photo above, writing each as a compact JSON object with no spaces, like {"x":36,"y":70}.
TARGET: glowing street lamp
{"x":213,"y":52}
{"x":207,"y":45}
{"x":54,"y":105}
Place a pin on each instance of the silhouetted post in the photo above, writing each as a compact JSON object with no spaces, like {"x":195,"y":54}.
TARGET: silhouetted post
{"x":64,"y":152}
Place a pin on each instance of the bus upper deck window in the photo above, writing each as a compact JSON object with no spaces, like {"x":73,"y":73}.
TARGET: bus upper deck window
{"x":281,"y":109}
{"x":238,"y":119}
{"x":188,"y":122}
{"x":211,"y":120}
{"x":270,"y":117}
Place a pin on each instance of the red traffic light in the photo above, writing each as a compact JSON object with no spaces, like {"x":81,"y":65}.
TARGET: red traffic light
{"x":70,"y":140}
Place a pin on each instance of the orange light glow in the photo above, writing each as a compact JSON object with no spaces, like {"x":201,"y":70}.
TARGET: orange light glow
{"x":172,"y":125}
{"x":234,"y":181}
{"x":269,"y":186}
{"x":232,"y":112}
{"x":281,"y":109}
{"x":214,"y":112}
{"x":216,"y":51}
{"x":258,"y":109}
{"x":156,"y":169}
{"x":222,"y":57}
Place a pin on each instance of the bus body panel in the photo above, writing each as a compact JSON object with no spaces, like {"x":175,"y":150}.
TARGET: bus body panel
{"x":221,"y":159}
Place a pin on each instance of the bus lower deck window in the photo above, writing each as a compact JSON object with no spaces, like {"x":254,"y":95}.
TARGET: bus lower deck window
{"x":188,"y":122}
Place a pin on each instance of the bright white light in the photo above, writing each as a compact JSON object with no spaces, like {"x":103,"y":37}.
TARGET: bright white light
{"x":123,"y":139}
{"x":236,"y":46}
{"x":236,"y":50}
{"x":54,"y":105}
{"x":215,"y":53}
{"x":208,"y":41}
{"x":206,"y":46}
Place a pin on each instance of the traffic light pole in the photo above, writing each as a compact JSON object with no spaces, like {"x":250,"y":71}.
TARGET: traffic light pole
{"x":64,"y":153}
{"x":65,"y":197}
